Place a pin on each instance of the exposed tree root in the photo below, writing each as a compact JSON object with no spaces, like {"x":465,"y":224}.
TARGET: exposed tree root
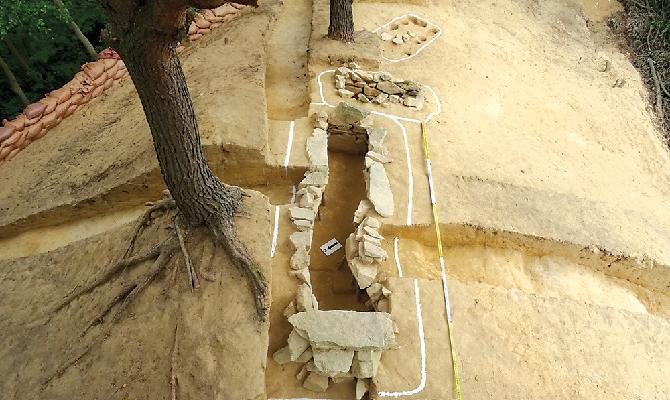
{"x":224,"y":232}
{"x":127,"y":294}
{"x":194,"y":282}
{"x":162,"y":205}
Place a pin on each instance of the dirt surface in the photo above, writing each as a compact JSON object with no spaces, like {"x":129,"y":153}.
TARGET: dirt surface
{"x":221,"y":345}
{"x":551,"y":182}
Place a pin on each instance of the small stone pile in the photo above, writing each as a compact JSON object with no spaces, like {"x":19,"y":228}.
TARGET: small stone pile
{"x":377,"y":87}
{"x":364,"y":253}
{"x":398,"y":38}
{"x":337,"y":345}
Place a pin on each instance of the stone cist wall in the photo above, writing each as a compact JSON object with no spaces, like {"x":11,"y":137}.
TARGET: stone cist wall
{"x":338,"y":345}
{"x":93,"y":78}
{"x":377,"y":87}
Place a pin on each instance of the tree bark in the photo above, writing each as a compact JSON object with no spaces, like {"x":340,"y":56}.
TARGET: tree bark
{"x":341,"y":21}
{"x":158,"y":77}
{"x":13,"y":83}
{"x":77,"y":32}
{"x":145,"y":33}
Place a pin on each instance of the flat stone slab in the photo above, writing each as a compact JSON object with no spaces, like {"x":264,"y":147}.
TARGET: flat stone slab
{"x":379,"y":190}
{"x":345,"y":329}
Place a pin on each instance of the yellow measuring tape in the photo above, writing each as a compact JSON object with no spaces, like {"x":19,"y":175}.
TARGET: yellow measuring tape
{"x":433,"y":202}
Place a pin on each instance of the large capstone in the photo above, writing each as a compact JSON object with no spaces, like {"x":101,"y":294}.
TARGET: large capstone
{"x":347,"y":114}
{"x":351,"y":330}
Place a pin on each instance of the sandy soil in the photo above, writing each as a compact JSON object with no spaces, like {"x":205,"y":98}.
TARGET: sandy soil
{"x":552,"y":188}
{"x":220,"y":342}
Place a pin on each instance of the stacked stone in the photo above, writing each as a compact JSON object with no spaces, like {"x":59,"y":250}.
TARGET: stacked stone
{"x":337,"y":346}
{"x":377,"y":87}
{"x":37,"y":118}
{"x":206,"y":20}
{"x":348,"y":129}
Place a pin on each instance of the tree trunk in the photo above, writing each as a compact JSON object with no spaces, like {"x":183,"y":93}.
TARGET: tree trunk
{"x":13,"y":83}
{"x":341,"y":21}
{"x":77,"y":32}
{"x":145,"y":33}
{"x":161,"y":85}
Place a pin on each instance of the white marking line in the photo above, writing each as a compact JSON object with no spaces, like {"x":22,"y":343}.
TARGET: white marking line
{"x":289,"y":144}
{"x":275,"y":233}
{"x":410,"y":177}
{"x":422,"y":47}
{"x":395,"y":253}
{"x":422,"y":343}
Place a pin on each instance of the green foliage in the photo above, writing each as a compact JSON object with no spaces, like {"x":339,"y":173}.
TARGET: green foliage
{"x":39,"y":31}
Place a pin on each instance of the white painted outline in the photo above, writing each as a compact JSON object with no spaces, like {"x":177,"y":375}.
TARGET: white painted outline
{"x":422,"y":344}
{"x":422,"y":47}
{"x":289,"y":144}
{"x":275,"y":233}
{"x":395,"y":253}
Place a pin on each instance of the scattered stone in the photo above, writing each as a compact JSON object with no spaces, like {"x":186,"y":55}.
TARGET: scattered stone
{"x":383,"y":305}
{"x":302,"y":275}
{"x":301,"y":240}
{"x":333,"y":360}
{"x":302,"y":224}
{"x":385,"y":76}
{"x":316,"y":382}
{"x":381,"y":98}
{"x":360,"y":84}
{"x":299,"y":260}
{"x":282,"y":356}
{"x":296,"y":344}
{"x":339,"y":81}
{"x":370,"y":231}
{"x":302,"y":213}
{"x":394,"y":98}
{"x":379,"y":190}
{"x":415,"y":102}
{"x":305,"y":356}
{"x":361,"y":212}
{"x":372,"y":222}
{"x":321,"y":116}
{"x":345,"y":93}
{"x":365,"y":75}
{"x":342,"y":71}
{"x":602,"y":64}
{"x":347,"y":114}
{"x":385,"y":291}
{"x":398,"y":40}
{"x":366,"y":275}
{"x":374,"y":291}
{"x":340,"y":329}
{"x":389,"y":87}
{"x":370,"y":91}
{"x":367,"y":366}
{"x":305,"y":300}
{"x":290,"y":309}
{"x":321,"y":125}
{"x":314,"y":178}
{"x":372,"y":240}
{"x":376,"y":139}
{"x":362,"y":98}
{"x":378,"y":157}
{"x":354,"y":65}
{"x":362,"y":388}
{"x":302,"y":374}
{"x":316,"y":191}
{"x":307,"y":200}
{"x":317,"y":147}
{"x":386,"y":36}
{"x":374,"y":251}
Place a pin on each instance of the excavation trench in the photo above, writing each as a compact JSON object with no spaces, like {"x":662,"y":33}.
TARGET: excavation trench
{"x":64,"y":225}
{"x":331,"y":278}
{"x":533,"y":265}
